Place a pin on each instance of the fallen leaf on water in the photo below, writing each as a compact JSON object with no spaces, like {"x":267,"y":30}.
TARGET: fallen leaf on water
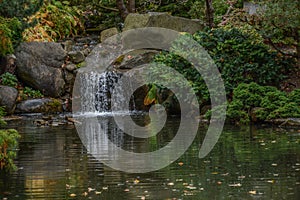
{"x":214,"y":173}
{"x":72,"y":195}
{"x":252,"y":192}
{"x":84,"y":194}
{"x":226,"y":174}
{"x":136,"y":181}
{"x":180,"y":163}
{"x":235,"y":185}
{"x":191,"y":187}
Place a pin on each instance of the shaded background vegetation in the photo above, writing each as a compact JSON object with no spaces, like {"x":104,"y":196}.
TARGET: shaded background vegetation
{"x":261,"y":47}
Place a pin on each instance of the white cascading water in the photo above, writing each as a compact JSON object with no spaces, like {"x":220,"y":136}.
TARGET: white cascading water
{"x":96,"y":89}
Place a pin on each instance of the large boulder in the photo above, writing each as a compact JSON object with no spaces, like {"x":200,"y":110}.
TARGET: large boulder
{"x":163,"y":20}
{"x":8,"y":96}
{"x":39,"y":66}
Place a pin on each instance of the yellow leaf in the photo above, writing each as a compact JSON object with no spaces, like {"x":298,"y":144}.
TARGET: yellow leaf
{"x":252,"y":192}
{"x":151,"y":96}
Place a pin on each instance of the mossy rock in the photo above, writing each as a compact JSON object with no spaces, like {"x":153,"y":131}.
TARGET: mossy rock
{"x":44,"y":105}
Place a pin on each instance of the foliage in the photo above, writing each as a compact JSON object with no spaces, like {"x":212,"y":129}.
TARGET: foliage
{"x":9,"y":79}
{"x":28,"y":92}
{"x":262,"y":102}
{"x":221,"y":7}
{"x":151,"y":96}
{"x":13,"y":15}
{"x":2,"y":113}
{"x":10,"y":34}
{"x":98,"y":15}
{"x":55,"y":20}
{"x":187,"y":70}
{"x":280,"y":21}
{"x":277,"y":21}
{"x":106,"y":12}
{"x":8,"y":144}
{"x":19,"y":8}
{"x":240,"y":57}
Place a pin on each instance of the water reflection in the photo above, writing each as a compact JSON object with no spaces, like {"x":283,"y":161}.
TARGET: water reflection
{"x":109,"y":144}
{"x":246,"y":163}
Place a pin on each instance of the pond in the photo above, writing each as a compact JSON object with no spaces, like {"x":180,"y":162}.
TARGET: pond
{"x":247,"y":163}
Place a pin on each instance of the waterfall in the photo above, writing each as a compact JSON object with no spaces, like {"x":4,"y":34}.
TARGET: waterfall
{"x":96,"y":89}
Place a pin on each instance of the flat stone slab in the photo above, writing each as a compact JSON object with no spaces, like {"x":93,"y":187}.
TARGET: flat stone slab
{"x":163,"y":20}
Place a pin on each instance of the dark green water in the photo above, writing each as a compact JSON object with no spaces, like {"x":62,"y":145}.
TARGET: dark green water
{"x":246,"y":163}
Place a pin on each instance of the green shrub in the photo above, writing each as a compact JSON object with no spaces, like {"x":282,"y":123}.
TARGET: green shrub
{"x":294,"y":96}
{"x":13,"y":20}
{"x":8,"y":144}
{"x":241,"y":57}
{"x":241,"y":60}
{"x":19,"y":8}
{"x":10,"y":34}
{"x":263,"y":102}
{"x":9,"y":79}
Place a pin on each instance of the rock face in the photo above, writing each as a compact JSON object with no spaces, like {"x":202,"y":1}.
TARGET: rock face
{"x":8,"y":96}
{"x":39,"y":66}
{"x":108,"y":33}
{"x":45,"y":105}
{"x":76,"y":56}
{"x":163,"y":20}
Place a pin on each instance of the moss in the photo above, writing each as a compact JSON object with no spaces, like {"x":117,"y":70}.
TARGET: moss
{"x":82,"y":64}
{"x":54,"y":106}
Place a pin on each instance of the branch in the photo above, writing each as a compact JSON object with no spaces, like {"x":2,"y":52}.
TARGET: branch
{"x":108,"y":8}
{"x":277,"y":49}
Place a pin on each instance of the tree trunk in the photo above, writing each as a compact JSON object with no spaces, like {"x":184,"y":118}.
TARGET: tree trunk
{"x":131,"y":6}
{"x":122,"y":8}
{"x":209,"y":13}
